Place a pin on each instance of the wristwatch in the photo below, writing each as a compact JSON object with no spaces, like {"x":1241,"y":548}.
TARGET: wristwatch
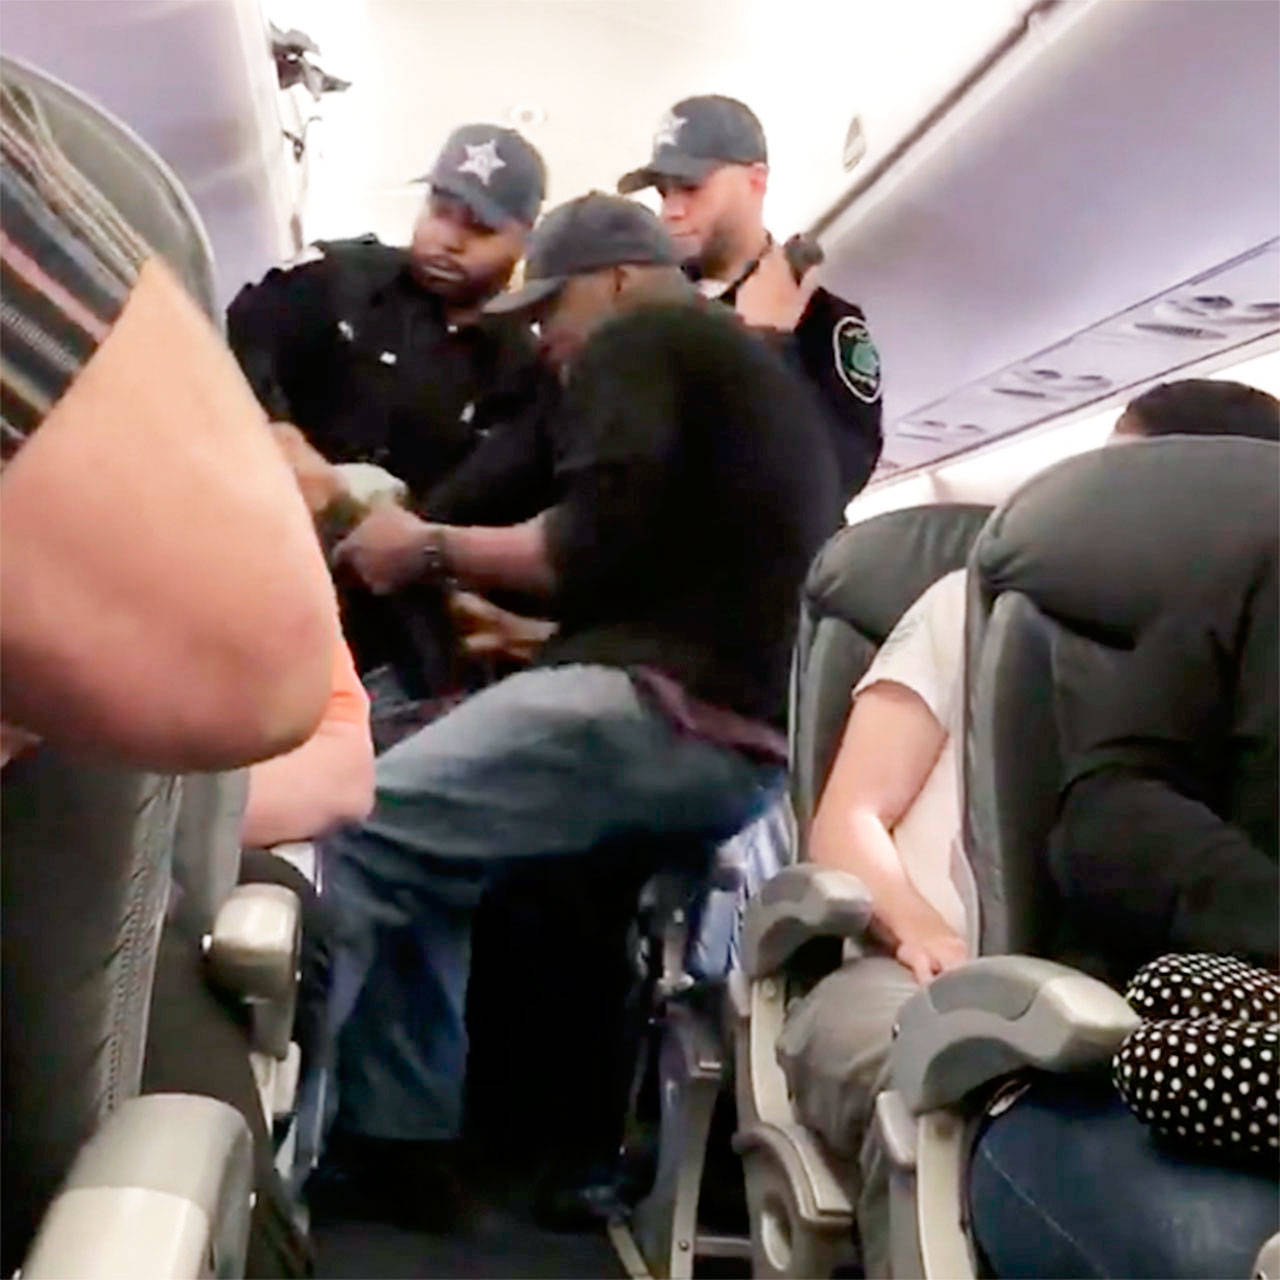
{"x":434,"y":561}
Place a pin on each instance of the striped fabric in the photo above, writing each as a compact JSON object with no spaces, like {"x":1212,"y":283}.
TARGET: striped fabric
{"x":67,"y":264}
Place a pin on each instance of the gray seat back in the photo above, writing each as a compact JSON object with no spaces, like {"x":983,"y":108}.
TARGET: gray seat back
{"x":138,"y":183}
{"x":147,"y":194}
{"x":86,"y":850}
{"x":206,"y":847}
{"x":85,"y":864}
{"x":860,"y":584}
{"x":1097,"y":546}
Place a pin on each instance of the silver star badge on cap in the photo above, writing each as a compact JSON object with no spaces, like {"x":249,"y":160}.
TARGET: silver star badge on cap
{"x":483,"y":161}
{"x":668,"y":130}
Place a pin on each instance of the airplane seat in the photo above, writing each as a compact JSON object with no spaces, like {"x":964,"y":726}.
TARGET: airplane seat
{"x":1086,"y":548}
{"x":138,"y":183}
{"x":861,"y":583}
{"x":250,"y":934}
{"x":677,"y":1040}
{"x":107,"y":1177}
{"x":147,"y":194}
{"x":87,"y":855}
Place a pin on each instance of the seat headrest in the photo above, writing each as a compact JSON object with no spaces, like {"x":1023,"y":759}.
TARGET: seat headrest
{"x":129,"y":174}
{"x":1163,"y":517}
{"x":867,"y":575}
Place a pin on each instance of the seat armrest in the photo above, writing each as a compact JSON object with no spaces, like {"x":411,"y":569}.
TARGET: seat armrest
{"x":163,"y":1189}
{"x":252,"y":952}
{"x":799,"y":904}
{"x":996,"y":1015}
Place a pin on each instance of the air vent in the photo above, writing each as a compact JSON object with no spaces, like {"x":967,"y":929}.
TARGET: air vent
{"x":1055,"y":382}
{"x":1216,"y":308}
{"x":1021,"y":393}
{"x":937,"y":424}
{"x":1168,"y":330}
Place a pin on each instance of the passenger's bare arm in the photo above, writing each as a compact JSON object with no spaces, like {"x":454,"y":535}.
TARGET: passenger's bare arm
{"x":326,"y":782}
{"x":890,"y":746}
{"x":165,"y":602}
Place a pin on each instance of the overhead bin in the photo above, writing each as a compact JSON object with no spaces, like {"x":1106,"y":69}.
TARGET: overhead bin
{"x":1115,"y":153}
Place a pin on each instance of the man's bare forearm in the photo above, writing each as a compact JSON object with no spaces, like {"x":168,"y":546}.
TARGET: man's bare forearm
{"x":513,"y":558}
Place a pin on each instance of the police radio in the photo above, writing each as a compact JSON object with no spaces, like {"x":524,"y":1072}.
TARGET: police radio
{"x":803,"y":254}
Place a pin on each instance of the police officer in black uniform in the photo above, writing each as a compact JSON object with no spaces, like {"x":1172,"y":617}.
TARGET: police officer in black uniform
{"x":710,"y":165}
{"x":381,"y":354}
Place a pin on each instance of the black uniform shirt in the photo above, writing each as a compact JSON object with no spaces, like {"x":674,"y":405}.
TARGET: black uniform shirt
{"x":698,"y":484}
{"x":832,"y":347}
{"x":359,"y":356}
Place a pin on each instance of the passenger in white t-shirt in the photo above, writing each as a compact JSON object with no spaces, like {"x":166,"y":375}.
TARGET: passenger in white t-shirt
{"x":890,"y":815}
{"x":890,"y":812}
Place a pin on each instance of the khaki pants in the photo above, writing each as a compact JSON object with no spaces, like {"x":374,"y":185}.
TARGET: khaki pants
{"x":834,"y":1051}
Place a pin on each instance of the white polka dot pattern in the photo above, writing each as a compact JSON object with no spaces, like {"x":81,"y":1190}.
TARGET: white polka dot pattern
{"x":1202,"y":1067}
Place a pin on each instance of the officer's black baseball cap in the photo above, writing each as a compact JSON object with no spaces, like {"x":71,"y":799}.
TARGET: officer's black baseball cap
{"x":495,"y":172}
{"x":695,"y":138}
{"x":588,"y":234}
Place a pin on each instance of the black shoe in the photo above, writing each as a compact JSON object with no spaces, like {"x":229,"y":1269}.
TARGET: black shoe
{"x":581,"y":1201}
{"x":415,"y":1185}
{"x":587,"y":1196}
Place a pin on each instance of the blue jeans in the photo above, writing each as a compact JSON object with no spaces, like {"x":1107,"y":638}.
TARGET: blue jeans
{"x":550,"y":761}
{"x":1068,"y":1182}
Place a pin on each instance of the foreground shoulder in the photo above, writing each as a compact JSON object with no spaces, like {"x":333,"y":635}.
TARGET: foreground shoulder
{"x":70,"y":262}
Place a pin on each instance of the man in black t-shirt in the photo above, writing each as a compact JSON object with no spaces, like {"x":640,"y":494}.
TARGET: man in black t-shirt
{"x":697,"y":485}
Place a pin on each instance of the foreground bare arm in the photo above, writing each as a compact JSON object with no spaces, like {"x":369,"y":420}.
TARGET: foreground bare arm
{"x":165,"y":602}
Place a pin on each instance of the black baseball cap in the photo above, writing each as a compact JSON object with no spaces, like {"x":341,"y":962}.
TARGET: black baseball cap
{"x":587,"y":234}
{"x":695,"y":138}
{"x":495,"y":172}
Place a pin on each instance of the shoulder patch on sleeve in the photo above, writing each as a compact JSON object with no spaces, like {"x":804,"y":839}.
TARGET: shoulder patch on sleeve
{"x":857,"y":360}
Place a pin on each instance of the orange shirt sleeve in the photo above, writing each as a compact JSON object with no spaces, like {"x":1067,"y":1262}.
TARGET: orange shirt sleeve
{"x":348,"y":702}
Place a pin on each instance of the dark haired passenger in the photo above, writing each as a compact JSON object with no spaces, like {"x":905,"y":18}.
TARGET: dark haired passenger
{"x":1201,"y":407}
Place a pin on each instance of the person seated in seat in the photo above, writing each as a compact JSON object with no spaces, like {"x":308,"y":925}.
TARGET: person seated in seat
{"x":1199,"y":407}
{"x":890,"y":814}
{"x":697,"y":485}
{"x":1166,"y":841}
{"x":143,"y":500}
{"x":144,"y":503}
